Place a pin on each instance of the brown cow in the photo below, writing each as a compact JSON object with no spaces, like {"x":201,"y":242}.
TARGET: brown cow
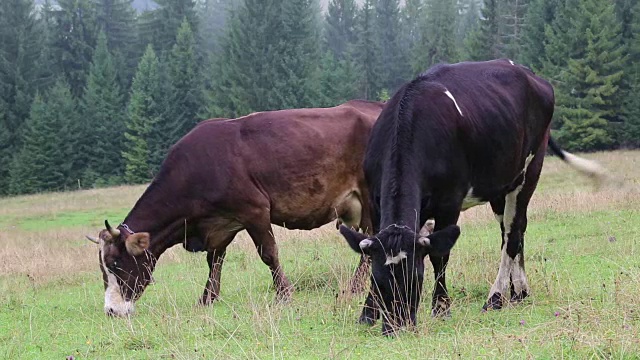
{"x":299,"y":168}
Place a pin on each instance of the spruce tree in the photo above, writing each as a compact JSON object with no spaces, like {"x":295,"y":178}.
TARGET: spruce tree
{"x":144,"y":115}
{"x":117,"y":19}
{"x":297,"y":54}
{"x":467,"y":21}
{"x":394,"y":64}
{"x":368,"y":52}
{"x":587,"y":85}
{"x":631,"y":115}
{"x":339,"y":80}
{"x":46,"y":158}
{"x":75,"y":39}
{"x":168,"y":18}
{"x":20,"y":51}
{"x":269,"y":57}
{"x":186,"y":98}
{"x":103,"y":125}
{"x":212,"y":22}
{"x":438,"y":36}
{"x":540,"y":14}
{"x":511,"y":26}
{"x":484,"y":42}
{"x":340,"y":27}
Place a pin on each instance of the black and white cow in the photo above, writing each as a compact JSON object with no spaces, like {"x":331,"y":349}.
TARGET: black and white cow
{"x":457,"y":136}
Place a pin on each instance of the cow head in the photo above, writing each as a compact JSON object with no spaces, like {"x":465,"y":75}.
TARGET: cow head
{"x":126,"y":266}
{"x":397,"y":257}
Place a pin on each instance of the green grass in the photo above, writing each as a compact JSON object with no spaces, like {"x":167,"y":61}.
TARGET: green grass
{"x":582,"y":259}
{"x":66,"y":219}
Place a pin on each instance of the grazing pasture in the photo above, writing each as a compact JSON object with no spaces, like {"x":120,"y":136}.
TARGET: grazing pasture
{"x":583,"y":264}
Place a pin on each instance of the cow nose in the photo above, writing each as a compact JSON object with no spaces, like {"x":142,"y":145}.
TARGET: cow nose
{"x":110,"y":312}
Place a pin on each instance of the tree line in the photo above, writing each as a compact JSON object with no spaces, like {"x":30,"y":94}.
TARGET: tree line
{"x":93,"y":93}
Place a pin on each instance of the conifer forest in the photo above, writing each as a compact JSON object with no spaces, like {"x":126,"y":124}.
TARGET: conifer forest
{"x":94,"y":92}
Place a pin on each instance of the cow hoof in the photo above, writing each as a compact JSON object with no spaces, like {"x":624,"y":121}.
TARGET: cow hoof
{"x":441,"y":309}
{"x":518,"y":298}
{"x":366,"y":320}
{"x":440,"y":313}
{"x":494,"y":302}
{"x":207,"y":300}
{"x":285,"y":295}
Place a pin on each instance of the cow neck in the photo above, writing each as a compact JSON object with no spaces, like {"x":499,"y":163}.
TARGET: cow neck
{"x":400,"y":206}
{"x":157,"y":213}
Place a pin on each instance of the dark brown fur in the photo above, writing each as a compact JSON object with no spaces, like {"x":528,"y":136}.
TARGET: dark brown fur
{"x":299,"y":168}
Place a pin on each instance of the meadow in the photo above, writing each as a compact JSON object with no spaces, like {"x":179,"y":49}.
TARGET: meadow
{"x":583,"y":264}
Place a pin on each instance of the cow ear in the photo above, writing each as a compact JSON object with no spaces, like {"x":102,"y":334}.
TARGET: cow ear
{"x":440,"y":242}
{"x":137,"y":243}
{"x":354,"y":239}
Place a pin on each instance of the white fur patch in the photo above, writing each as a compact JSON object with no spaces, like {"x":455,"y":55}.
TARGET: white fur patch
{"x":518,"y":277}
{"x":501,"y":285}
{"x":470,"y":201}
{"x":396,"y":259}
{"x":511,"y":62}
{"x":454,"y":101}
{"x":114,"y":303}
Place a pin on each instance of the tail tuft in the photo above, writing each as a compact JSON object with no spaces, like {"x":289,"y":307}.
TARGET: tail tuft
{"x":591,"y":169}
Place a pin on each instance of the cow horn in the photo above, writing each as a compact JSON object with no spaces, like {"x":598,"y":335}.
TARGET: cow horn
{"x":93,"y":239}
{"x":114,"y":232}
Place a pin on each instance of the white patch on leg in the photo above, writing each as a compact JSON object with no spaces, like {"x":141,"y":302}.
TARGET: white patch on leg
{"x":518,"y":277}
{"x":501,"y":285}
{"x":114,"y":303}
{"x":396,"y":259}
{"x":454,"y":101}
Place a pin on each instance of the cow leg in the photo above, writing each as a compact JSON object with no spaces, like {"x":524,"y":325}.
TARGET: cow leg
{"x":371,"y":310}
{"x":513,"y":223}
{"x":215,"y":259}
{"x":262,"y":236}
{"x":441,"y":302}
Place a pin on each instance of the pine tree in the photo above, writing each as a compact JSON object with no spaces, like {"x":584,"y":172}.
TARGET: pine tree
{"x":368,"y":52}
{"x":340,"y":27}
{"x":186,"y":98}
{"x":269,"y":57}
{"x":438,"y":36}
{"x":144,"y":114}
{"x":338,"y":80}
{"x":587,"y":86}
{"x":101,"y":131}
{"x":395,"y":68}
{"x":631,"y":115}
{"x":540,"y":14}
{"x":117,"y":19}
{"x":20,"y":51}
{"x":167,"y":20}
{"x":44,"y":162}
{"x":75,"y":38}
{"x":511,"y":26}
{"x":467,"y":21}
{"x":298,"y":54}
{"x":212,"y":20}
{"x":484,"y":42}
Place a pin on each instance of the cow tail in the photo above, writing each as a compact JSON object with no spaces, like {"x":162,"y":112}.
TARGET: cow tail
{"x":598,"y":174}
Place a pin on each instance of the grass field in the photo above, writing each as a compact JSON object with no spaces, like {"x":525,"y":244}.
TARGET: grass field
{"x":583,"y":264}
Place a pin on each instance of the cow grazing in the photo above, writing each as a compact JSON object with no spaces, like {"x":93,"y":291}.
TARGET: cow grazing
{"x":298,"y":168}
{"x":457,"y":136}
